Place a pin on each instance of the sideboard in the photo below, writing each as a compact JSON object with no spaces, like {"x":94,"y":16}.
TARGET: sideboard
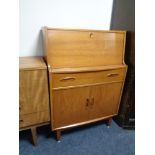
{"x":33,"y":94}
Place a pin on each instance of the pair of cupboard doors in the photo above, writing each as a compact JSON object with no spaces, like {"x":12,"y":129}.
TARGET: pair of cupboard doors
{"x":81,"y":105}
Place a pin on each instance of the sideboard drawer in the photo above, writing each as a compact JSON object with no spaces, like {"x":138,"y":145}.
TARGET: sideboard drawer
{"x":34,"y":118}
{"x":96,"y":77}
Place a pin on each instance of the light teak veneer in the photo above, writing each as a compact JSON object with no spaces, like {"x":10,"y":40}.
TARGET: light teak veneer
{"x":33,"y":94}
{"x":86,"y":73}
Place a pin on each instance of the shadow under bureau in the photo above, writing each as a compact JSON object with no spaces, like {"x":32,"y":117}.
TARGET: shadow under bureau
{"x":33,"y":94}
{"x":86,"y":74}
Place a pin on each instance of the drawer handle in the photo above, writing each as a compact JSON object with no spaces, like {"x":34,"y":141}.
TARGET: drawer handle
{"x":21,"y":120}
{"x":67,"y":78}
{"x":112,"y":75}
{"x":20,"y":106}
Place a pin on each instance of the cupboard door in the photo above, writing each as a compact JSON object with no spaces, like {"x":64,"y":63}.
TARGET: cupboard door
{"x":33,"y":91}
{"x":70,"y":106}
{"x":104,"y":100}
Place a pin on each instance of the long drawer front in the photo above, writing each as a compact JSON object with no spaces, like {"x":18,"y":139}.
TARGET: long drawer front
{"x":33,"y":119}
{"x":61,"y":80}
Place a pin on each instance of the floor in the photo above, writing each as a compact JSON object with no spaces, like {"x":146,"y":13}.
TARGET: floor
{"x":94,"y":139}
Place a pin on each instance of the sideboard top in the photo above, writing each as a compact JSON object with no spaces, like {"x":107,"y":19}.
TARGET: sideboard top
{"x":74,"y":48}
{"x":29,"y":63}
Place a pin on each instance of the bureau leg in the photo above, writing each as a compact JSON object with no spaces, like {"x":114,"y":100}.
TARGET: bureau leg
{"x":34,"y":135}
{"x":58,"y":135}
{"x":109,"y":122}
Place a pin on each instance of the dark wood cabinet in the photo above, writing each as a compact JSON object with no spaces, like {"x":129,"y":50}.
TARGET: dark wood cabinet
{"x":123,"y":18}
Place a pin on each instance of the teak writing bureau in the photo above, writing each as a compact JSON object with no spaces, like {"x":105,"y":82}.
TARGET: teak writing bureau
{"x":86,"y":73}
{"x":33,"y":94}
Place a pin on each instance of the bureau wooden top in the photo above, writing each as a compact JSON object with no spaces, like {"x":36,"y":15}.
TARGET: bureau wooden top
{"x":30,"y":63}
{"x":72,"y":48}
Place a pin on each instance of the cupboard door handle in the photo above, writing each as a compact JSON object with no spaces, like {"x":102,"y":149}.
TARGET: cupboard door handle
{"x":68,"y":78}
{"x":112,"y":75}
{"x":92,"y":101}
{"x":87,"y":102}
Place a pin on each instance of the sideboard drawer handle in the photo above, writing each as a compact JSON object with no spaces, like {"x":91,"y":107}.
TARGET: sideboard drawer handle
{"x":112,"y":75}
{"x":67,"y":78}
{"x":21,"y":120}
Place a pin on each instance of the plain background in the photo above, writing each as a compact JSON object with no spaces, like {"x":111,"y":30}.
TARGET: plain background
{"x":34,"y":14}
{"x":145,"y":77}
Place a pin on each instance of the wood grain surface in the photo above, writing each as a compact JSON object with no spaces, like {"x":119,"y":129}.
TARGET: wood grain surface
{"x":33,"y":91}
{"x":30,"y":63}
{"x":34,"y":118}
{"x":83,"y":48}
{"x":34,"y":108}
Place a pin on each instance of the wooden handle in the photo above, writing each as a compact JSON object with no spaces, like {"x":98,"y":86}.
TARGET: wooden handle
{"x":112,"y":75}
{"x":92,"y":101}
{"x":87,"y":102}
{"x":67,"y":78}
{"x":20,"y":121}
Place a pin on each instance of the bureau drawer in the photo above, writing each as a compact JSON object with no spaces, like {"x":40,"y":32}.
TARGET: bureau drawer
{"x":33,"y":119}
{"x":95,"y":77}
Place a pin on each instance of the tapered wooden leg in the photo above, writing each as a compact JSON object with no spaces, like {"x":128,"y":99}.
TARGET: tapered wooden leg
{"x":109,"y":122}
{"x":34,"y":135}
{"x":58,"y":135}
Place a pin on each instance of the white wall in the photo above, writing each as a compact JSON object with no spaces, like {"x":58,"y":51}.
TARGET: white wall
{"x":34,"y":14}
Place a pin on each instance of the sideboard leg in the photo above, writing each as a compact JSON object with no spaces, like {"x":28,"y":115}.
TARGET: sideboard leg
{"x":109,"y":122}
{"x":34,"y":135}
{"x":58,"y":135}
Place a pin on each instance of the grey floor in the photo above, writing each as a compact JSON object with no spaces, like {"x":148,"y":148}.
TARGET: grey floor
{"x":94,"y":139}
